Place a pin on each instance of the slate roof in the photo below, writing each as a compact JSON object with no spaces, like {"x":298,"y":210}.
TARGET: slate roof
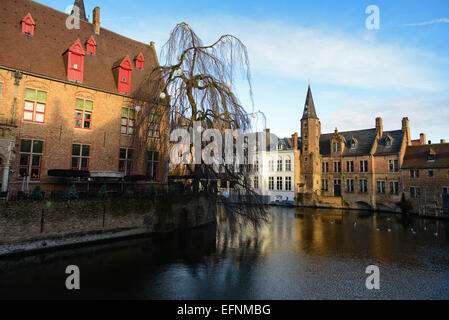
{"x":42,"y":53}
{"x":364,"y":142}
{"x":309,"y":107}
{"x":416,"y":156}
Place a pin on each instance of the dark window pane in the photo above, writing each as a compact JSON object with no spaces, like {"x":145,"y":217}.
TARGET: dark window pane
{"x":24,"y":158}
{"x":149,"y":155}
{"x":84,"y":163}
{"x":121,"y":165}
{"x":23,"y":172}
{"x":156,"y":156}
{"x":86,"y":151}
{"x":129,"y":166}
{"x":130,"y":154}
{"x":87,"y":124}
{"x":36,"y":162}
{"x":75,"y":163}
{"x":37,"y":146}
{"x":76,"y":150}
{"x":25,"y":146}
{"x":87,"y":116}
{"x":35,"y":173}
{"x":122,"y":153}
{"x":78,"y":123}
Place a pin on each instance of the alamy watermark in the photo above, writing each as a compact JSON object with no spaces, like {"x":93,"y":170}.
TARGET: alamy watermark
{"x":73,"y":20}
{"x":198,"y":145}
{"x":373,"y":20}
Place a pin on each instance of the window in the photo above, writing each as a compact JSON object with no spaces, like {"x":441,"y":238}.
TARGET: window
{"x":414,"y":174}
{"x":325,"y":167}
{"x":288,"y":164}
{"x":415,"y":192}
{"x":154,"y":125}
{"x":363,"y":185}
{"x":80,"y":157}
{"x":388,"y":142}
{"x":279,"y":183}
{"x":125,"y":163}
{"x":30,"y":159}
{"x":349,"y":166}
{"x":83,"y":113}
{"x":445,"y":191}
{"x":279,"y":165}
{"x":431,"y":174}
{"x":128,"y":120}
{"x":337,"y":147}
{"x":337,"y":166}
{"x":271,"y":165}
{"x":35,"y":103}
{"x":271,"y":183}
{"x":91,"y":46}
{"x":324,"y":185}
{"x":139,"y":61}
{"x":350,"y":185}
{"x":288,"y":183}
{"x":394,"y":165}
{"x":380,"y":187}
{"x":364,"y":166}
{"x":152,"y":164}
{"x":256,"y":182}
{"x":394,"y":187}
{"x":256,"y":166}
{"x":431,"y":157}
{"x":28,"y":25}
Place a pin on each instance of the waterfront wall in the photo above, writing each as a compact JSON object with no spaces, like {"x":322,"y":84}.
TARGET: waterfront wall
{"x":29,"y":225}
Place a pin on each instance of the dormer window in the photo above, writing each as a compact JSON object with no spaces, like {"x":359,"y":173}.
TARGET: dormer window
{"x":139,"y":61}
{"x":122,"y":70}
{"x":353,"y":143}
{"x":74,"y":58}
{"x":431,"y":156}
{"x":91,"y":46}
{"x":28,"y":25}
{"x":336,"y":147}
{"x":388,"y":142}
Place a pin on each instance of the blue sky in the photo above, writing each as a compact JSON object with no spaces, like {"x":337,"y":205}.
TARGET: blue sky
{"x":356,"y":74}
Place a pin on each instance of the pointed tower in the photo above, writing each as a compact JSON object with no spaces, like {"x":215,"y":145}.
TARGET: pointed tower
{"x":310,"y":150}
{"x":80,"y":5}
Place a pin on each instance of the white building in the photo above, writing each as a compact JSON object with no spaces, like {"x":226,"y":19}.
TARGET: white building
{"x":274,"y":173}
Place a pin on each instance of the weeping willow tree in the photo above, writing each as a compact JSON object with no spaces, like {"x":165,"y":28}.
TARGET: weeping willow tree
{"x":194,"y":84}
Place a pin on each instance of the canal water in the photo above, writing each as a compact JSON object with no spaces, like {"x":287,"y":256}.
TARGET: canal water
{"x":300,"y":254}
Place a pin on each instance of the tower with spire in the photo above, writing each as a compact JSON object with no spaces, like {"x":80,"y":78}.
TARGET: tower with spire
{"x":80,"y":5}
{"x":310,"y":149}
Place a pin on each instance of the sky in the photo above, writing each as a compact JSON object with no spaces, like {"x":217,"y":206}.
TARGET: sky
{"x":356,"y":74}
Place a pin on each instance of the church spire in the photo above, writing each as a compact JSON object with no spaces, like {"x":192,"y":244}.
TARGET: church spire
{"x":309,"y":107}
{"x":80,"y":5}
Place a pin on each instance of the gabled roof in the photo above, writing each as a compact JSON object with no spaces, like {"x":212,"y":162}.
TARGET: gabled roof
{"x":42,"y":54}
{"x":416,"y":156}
{"x":124,"y":62}
{"x":28,"y":19}
{"x":309,"y":107}
{"x":365,"y":141}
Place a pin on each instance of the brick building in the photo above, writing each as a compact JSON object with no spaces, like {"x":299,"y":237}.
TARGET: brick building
{"x":66,"y":101}
{"x":425,"y":176}
{"x":359,"y":169}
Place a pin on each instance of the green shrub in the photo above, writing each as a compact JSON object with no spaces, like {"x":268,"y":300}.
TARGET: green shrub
{"x":37,"y":194}
{"x":103,"y":193}
{"x":73,"y":194}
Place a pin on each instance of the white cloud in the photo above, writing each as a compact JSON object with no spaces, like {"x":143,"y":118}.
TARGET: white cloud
{"x":426,"y":23}
{"x":322,"y":55}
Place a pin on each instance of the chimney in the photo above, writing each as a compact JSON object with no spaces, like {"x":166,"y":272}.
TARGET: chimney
{"x":295,"y":141}
{"x":379,"y":128}
{"x":406,"y":130}
{"x":422,"y":138}
{"x":430,"y":141}
{"x":443,"y":141}
{"x":96,"y":20}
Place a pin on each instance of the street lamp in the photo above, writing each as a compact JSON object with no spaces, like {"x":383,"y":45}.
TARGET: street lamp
{"x":138,"y":108}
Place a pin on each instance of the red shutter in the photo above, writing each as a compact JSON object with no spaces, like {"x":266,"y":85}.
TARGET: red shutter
{"x":28,"y":25}
{"x":75,"y":62}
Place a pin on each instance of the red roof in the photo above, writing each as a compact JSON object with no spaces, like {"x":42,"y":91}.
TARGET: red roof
{"x":42,"y":54}
{"x":417,"y":156}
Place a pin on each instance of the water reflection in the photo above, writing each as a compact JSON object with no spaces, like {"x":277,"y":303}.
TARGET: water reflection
{"x":300,"y":254}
